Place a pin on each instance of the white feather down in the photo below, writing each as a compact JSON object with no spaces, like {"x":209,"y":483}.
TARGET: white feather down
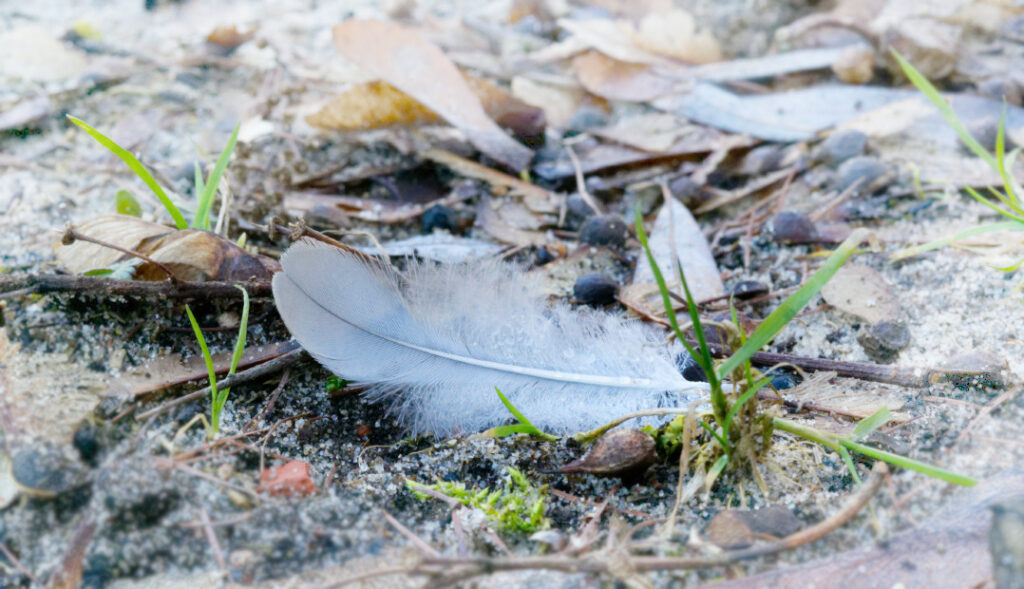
{"x":436,"y":341}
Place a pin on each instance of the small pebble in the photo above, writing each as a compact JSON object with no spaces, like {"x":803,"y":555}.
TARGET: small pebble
{"x":884,"y":340}
{"x":439,"y":217}
{"x":841,"y":146}
{"x":607,"y":230}
{"x":689,"y":368}
{"x":577,"y":211}
{"x":595,"y":289}
{"x":748,"y":289}
{"x":985,"y":131}
{"x":761,"y":160}
{"x":793,"y":227}
{"x":865,"y":169}
{"x":44,"y":471}
{"x":1001,"y":89}
{"x":684,"y":188}
{"x":855,"y":65}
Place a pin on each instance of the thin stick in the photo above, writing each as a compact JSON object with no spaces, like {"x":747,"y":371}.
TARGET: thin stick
{"x":581,"y":184}
{"x":211,"y":537}
{"x":71,"y":236}
{"x":17,"y":563}
{"x":24,"y":284}
{"x":269,"y":367}
{"x":419,"y":543}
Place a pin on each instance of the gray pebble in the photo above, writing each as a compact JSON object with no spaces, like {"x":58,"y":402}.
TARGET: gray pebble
{"x":1001,"y":89}
{"x":43,"y":470}
{"x":841,"y":146}
{"x":793,"y":227}
{"x":595,"y":289}
{"x":884,"y":340}
{"x":868,"y":170}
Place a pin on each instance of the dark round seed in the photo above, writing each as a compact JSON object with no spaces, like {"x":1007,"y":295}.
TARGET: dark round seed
{"x":607,"y":230}
{"x":86,"y":443}
{"x":439,"y":217}
{"x":595,"y":289}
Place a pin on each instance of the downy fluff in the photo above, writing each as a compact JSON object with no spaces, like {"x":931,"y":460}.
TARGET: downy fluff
{"x":436,"y":340}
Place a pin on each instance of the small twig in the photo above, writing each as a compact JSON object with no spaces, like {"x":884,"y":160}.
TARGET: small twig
{"x":17,"y":564}
{"x":71,"y":236}
{"x":989,"y":408}
{"x":269,"y":367}
{"x":211,"y":537}
{"x":581,"y":184}
{"x":24,"y":284}
{"x":401,"y":529}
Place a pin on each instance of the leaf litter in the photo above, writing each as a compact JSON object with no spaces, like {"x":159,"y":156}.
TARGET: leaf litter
{"x":603,"y":78}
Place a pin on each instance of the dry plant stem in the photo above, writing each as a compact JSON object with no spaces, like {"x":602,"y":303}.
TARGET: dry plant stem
{"x":598,"y":563}
{"x":211,"y":538}
{"x":1006,"y":396}
{"x":269,"y":367}
{"x":17,"y":564}
{"x":70,"y":236}
{"x":420,"y":544}
{"x":24,"y":284}
{"x":581,"y":183}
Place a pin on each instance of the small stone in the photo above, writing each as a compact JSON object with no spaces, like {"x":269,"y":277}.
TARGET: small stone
{"x":439,"y":217}
{"x":985,"y":131}
{"x":606,"y":230}
{"x":931,"y":45}
{"x":595,"y":289}
{"x":1001,"y":89}
{"x":748,"y":289}
{"x":761,"y":160}
{"x":884,"y":340}
{"x":689,"y":368}
{"x":866,"y":170}
{"x":793,"y":227}
{"x":43,"y":470}
{"x":577,"y":211}
{"x":288,"y":480}
{"x":855,"y":65}
{"x":841,"y":146}
{"x":775,"y":520}
{"x":729,"y":529}
{"x":624,"y":453}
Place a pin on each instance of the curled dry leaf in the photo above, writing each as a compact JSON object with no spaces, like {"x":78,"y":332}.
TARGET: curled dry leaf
{"x":624,"y":453}
{"x":378,"y":104}
{"x":617,"y":80}
{"x":191,"y":254}
{"x":406,"y":60}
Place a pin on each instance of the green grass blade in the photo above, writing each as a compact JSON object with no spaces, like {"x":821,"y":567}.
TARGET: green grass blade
{"x":945,"y":109}
{"x":243,"y":327}
{"x":137,"y":167}
{"x":778,"y":319}
{"x":911,"y":464}
{"x":938,"y":243}
{"x":702,"y":344}
{"x":1008,"y":214}
{"x":850,"y":466}
{"x":209,"y":365}
{"x":746,"y":396}
{"x":200,"y":186}
{"x":869,"y":424}
{"x":1012,"y":267}
{"x":202,"y":218}
{"x":534,"y":430}
{"x":503,"y":431}
{"x":126,"y":204}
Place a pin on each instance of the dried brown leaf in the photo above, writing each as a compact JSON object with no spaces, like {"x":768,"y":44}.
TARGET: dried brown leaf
{"x":409,"y":62}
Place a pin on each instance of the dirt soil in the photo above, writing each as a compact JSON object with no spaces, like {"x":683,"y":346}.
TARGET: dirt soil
{"x":151,"y":502}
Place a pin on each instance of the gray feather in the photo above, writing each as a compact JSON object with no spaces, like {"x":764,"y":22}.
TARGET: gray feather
{"x":436,"y":341}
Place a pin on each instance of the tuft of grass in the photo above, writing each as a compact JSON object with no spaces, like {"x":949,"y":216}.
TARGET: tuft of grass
{"x":518,"y":506}
{"x":737,"y":368}
{"x":218,"y":398}
{"x":1006,"y":202}
{"x":205,"y":190}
